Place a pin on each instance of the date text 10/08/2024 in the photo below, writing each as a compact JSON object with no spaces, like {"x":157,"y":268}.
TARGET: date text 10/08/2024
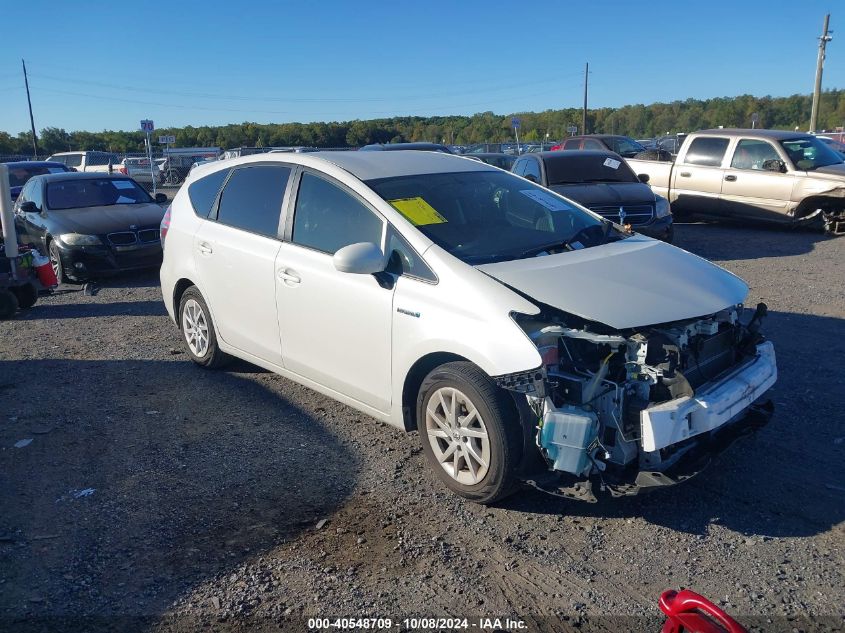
{"x":487,"y":624}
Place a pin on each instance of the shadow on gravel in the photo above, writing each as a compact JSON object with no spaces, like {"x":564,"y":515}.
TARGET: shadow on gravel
{"x":85,"y":310}
{"x":726,"y":242}
{"x":787,"y":480}
{"x":144,"y":479}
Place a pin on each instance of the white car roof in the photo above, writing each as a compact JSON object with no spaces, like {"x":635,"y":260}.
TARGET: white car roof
{"x":373,"y":165}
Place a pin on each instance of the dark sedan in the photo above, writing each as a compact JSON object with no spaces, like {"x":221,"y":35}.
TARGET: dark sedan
{"x":393,"y":147}
{"x":90,"y":224}
{"x":502,"y":161}
{"x":622,"y":145}
{"x":20,"y":172}
{"x":603,"y":182}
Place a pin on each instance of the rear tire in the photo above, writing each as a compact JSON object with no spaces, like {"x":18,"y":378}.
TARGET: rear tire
{"x":469,"y":432}
{"x":8,"y":304}
{"x":198,"y":334}
{"x":26,"y":295}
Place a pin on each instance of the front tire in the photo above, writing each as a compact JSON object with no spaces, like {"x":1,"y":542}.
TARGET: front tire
{"x":198,"y":334}
{"x":469,"y":432}
{"x":56,"y":263}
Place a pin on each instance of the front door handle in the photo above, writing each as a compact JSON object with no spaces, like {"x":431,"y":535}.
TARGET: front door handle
{"x":685,"y":174}
{"x":205,"y":248}
{"x":730,"y":178}
{"x":288,"y":276}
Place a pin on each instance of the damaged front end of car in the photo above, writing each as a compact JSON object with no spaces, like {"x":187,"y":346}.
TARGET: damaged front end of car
{"x":638,"y":408}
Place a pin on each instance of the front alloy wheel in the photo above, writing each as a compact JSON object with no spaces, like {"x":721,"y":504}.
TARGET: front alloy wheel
{"x":470,"y":431}
{"x":458,"y":436}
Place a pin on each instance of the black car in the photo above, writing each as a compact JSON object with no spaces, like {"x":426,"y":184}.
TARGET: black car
{"x":90,"y":224}
{"x":20,"y":172}
{"x":622,"y":145}
{"x":389,"y":147}
{"x":502,"y":161}
{"x":604,"y":183}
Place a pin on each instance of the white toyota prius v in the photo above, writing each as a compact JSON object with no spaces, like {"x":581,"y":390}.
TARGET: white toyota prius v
{"x":528,"y":340}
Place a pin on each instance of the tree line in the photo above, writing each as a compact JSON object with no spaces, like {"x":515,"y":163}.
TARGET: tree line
{"x":637,"y":121}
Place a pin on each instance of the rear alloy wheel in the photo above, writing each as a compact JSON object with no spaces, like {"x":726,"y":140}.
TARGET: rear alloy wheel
{"x":172,"y":177}
{"x":469,"y":431}
{"x":198,"y":331}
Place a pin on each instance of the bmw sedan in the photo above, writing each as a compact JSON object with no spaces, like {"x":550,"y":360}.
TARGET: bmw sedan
{"x":90,"y":224}
{"x":527,"y":339}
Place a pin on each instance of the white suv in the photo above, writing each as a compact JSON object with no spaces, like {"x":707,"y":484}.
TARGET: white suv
{"x":526,"y":338}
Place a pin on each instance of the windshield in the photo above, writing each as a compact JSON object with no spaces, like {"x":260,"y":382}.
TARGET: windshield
{"x":567,"y":169}
{"x":94,"y":192}
{"x":486,"y":216}
{"x":19,"y":175}
{"x":625,"y":146}
{"x":809,"y":153}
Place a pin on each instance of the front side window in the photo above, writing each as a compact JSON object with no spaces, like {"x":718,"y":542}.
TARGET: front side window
{"x":707,"y":151}
{"x":203,"y":192}
{"x":488,"y":216}
{"x":590,"y":143}
{"x":532,"y":170}
{"x":252,"y":199}
{"x":572,"y":144}
{"x":809,"y":153}
{"x":404,"y":260}
{"x":327,"y":218}
{"x":94,"y":192}
{"x":752,"y":154}
{"x":625,"y":147}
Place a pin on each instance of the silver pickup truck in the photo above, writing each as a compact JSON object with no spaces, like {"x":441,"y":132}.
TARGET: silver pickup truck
{"x":763,"y":175}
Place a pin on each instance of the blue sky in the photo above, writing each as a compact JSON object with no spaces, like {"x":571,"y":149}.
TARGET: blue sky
{"x":106,"y":65}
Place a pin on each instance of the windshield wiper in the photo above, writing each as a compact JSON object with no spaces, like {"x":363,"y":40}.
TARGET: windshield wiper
{"x":606,"y":228}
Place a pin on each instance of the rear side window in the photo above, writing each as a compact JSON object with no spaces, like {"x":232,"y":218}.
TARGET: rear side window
{"x":327,"y":218}
{"x":203,"y":192}
{"x":590,"y":143}
{"x":572,"y":144}
{"x":252,"y":199}
{"x":72,"y":160}
{"x":706,"y":151}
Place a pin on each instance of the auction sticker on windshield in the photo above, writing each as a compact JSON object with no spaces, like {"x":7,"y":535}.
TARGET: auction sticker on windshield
{"x":612,"y":163}
{"x":546,"y":199}
{"x":417,"y":211}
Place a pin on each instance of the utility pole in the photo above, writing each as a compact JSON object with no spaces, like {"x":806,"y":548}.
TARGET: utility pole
{"x":31,"y":120}
{"x":584,"y":115}
{"x":823,"y":40}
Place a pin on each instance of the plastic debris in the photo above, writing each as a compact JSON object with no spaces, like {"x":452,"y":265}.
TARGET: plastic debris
{"x":83,"y":493}
{"x":22,"y":443}
{"x":321,"y":523}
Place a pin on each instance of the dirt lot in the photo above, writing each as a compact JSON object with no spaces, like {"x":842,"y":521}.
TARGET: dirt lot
{"x":158,"y":496}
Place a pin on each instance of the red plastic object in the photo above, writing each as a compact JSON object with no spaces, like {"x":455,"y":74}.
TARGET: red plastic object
{"x":689,"y":612}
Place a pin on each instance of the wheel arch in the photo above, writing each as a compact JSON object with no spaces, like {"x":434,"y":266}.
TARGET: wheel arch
{"x":414,"y":378}
{"x":821,"y":201}
{"x":178,"y":290}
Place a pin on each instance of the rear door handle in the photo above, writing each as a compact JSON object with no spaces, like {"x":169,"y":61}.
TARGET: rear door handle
{"x":685,"y":174}
{"x":204,"y":248}
{"x":288,"y":276}
{"x":730,"y":178}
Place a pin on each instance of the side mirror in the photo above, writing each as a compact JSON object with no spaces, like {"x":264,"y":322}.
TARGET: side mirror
{"x":643,"y":178}
{"x":161,"y":198}
{"x":774,"y":164}
{"x":29,"y":207}
{"x":363,"y":258}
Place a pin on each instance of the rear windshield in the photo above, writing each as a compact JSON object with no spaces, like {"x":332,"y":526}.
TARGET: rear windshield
{"x":564,"y":170}
{"x":19,"y":175}
{"x":94,"y":192}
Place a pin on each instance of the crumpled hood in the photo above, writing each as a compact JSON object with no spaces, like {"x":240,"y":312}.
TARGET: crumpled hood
{"x":605,"y":194}
{"x":630,"y":283}
{"x":831,"y":170}
{"x":108,"y":219}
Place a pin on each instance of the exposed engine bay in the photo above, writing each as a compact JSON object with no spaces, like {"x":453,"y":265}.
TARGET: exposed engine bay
{"x":626,"y":407}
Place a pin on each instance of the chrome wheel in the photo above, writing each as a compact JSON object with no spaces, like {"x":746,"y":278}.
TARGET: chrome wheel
{"x":195,"y":328}
{"x":458,"y":436}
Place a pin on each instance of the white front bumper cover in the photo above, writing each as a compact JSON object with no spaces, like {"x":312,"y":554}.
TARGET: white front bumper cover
{"x":714,"y":405}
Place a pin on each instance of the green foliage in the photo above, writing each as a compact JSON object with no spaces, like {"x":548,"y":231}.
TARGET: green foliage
{"x":633,"y":120}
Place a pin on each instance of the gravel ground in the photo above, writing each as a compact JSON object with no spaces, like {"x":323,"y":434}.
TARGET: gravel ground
{"x":157,"y":496}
